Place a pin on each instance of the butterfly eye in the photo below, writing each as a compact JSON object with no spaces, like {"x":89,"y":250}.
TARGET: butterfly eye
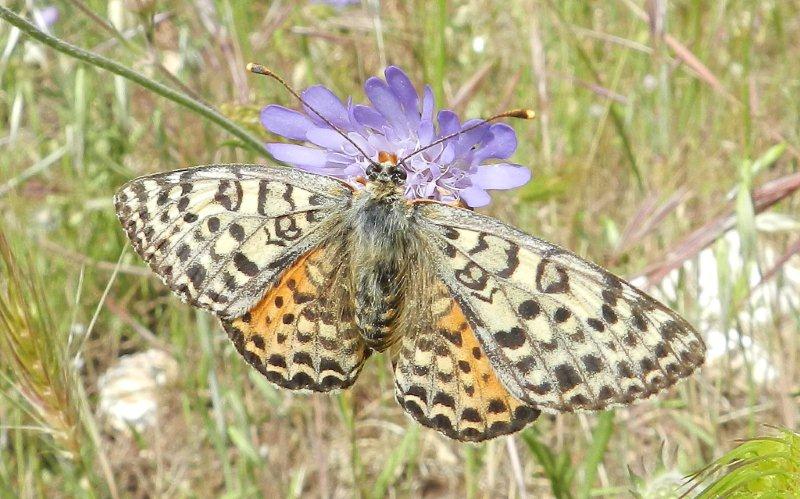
{"x":372,"y":171}
{"x":399,"y":174}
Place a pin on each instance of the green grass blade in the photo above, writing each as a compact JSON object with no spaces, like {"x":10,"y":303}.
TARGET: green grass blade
{"x":597,"y":449}
{"x":557,"y":467}
{"x":394,"y":461}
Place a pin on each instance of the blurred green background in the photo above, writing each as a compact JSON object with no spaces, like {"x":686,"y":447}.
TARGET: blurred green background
{"x":666,"y":147}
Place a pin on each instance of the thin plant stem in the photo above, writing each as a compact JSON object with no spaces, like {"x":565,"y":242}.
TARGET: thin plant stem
{"x":101,"y":62}
{"x":113,"y":31}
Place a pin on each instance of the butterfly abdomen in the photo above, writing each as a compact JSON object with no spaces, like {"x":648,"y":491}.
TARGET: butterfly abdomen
{"x":378,"y":301}
{"x":381,"y":249}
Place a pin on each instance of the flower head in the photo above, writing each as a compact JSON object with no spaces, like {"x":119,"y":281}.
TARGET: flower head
{"x":399,"y":122}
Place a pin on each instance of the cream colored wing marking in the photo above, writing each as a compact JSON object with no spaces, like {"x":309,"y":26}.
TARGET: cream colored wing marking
{"x":562,"y":333}
{"x":218,"y":236}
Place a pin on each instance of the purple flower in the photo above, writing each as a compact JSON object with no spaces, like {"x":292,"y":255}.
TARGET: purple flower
{"x":339,"y":4}
{"x":398,"y":121}
{"x":45,"y":17}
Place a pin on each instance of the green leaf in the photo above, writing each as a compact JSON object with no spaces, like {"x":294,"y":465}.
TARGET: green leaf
{"x":759,"y":467}
{"x":557,"y":468}
{"x":767,"y":159}
{"x":242,"y":442}
{"x":597,"y":449}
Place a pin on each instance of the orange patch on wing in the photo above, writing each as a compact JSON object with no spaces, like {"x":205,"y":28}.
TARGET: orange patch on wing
{"x":445,"y":381}
{"x":500,"y":409}
{"x":268,"y":314}
{"x":291,"y":337}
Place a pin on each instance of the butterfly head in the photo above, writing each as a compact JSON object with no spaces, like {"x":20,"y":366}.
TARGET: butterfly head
{"x":386,"y":170}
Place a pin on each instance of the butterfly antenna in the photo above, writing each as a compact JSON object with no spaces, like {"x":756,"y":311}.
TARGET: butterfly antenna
{"x":263,"y":70}
{"x":525,"y":114}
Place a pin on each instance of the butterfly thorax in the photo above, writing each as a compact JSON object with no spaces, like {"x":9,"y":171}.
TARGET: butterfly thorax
{"x":382,"y":246}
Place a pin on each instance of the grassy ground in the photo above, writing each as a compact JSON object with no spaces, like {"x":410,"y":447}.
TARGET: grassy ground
{"x":635,"y":116}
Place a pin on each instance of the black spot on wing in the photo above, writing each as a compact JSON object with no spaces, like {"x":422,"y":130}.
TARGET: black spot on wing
{"x":237,"y":232}
{"x":528,"y":309}
{"x":608,"y":314}
{"x":196,"y":274}
{"x":245,"y":265}
{"x":513,"y":338}
{"x":561,"y":314}
{"x":592,"y":363}
{"x":567,"y":377}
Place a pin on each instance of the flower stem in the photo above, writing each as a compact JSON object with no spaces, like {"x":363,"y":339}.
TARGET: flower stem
{"x":184,"y":100}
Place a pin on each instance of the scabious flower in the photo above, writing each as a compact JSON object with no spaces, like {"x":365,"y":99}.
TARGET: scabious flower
{"x":397,"y":121}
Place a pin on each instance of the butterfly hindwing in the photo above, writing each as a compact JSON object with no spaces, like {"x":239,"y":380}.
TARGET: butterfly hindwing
{"x":302,"y":335}
{"x":561,"y":333}
{"x":219,"y":235}
{"x":445,"y":381}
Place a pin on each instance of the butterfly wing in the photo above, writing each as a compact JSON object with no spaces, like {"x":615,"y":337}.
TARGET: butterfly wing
{"x":302,"y":334}
{"x":443,"y":378}
{"x":561,"y":333}
{"x":218,"y":236}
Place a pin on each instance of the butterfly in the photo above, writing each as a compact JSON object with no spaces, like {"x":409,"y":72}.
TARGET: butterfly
{"x":486,"y":326}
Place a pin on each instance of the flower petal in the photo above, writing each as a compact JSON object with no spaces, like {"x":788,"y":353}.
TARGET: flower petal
{"x":469,"y":138}
{"x":406,"y":93}
{"x":380,"y":143}
{"x":326,"y":138}
{"x":327,"y":104}
{"x":369,"y":117}
{"x":500,"y":143}
{"x":448,"y":154}
{"x":500,"y":176}
{"x":46,"y":17}
{"x":338,"y":4}
{"x":475,"y":196}
{"x":362,"y":143}
{"x":285,"y":122}
{"x":427,"y":103}
{"x":425,"y":132}
{"x":385,"y":102}
{"x":448,"y":122}
{"x":308,"y":158}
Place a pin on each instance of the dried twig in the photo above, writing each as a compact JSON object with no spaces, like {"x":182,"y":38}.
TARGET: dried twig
{"x":763,"y":198}
{"x":647,"y":218}
{"x":685,"y":55}
{"x":468,"y":89}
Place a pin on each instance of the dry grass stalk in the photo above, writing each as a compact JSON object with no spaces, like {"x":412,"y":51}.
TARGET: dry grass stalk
{"x":33,"y":353}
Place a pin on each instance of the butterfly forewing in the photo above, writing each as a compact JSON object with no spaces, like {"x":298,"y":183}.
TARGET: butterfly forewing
{"x":219,"y":235}
{"x":560,"y":332}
